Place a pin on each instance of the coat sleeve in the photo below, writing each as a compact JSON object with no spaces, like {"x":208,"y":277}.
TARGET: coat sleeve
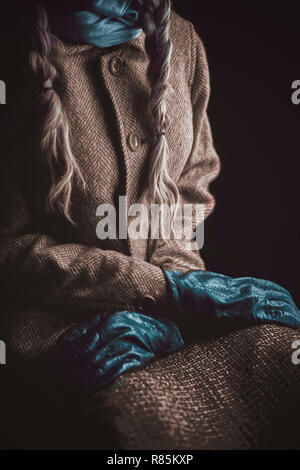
{"x":39,"y":272}
{"x":202,"y":167}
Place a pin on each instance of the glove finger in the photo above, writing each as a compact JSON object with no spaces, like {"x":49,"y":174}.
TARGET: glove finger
{"x":82,"y":329}
{"x":279,"y":312}
{"x":158,"y":333}
{"x":109,"y":368}
{"x":109,"y":351}
{"x":113,"y":367}
{"x":223,"y":288}
{"x":82,"y":348}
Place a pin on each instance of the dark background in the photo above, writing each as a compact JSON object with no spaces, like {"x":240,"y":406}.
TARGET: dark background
{"x":253,"y":49}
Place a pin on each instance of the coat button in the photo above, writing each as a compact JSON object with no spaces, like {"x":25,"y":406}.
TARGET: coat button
{"x":133,"y":142}
{"x":116,"y":65}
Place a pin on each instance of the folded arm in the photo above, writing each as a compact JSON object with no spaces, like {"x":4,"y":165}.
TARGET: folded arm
{"x":38,"y":271}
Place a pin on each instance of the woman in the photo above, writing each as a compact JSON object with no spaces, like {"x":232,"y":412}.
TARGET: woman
{"x":115,"y":104}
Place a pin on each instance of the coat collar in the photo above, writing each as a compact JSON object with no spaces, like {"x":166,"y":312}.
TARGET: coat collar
{"x":137,"y":44}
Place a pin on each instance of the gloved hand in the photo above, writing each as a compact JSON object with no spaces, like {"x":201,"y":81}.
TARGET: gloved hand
{"x":246,"y":298}
{"x":96,"y":352}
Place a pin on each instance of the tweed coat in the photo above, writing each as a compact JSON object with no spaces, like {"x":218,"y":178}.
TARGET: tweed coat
{"x":64,"y":273}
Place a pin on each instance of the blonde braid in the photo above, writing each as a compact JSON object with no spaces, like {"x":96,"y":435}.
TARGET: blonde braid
{"x":156,"y":21}
{"x":54,"y":127}
{"x":55,"y":134}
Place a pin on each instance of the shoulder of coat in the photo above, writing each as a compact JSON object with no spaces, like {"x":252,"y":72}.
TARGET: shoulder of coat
{"x":181,"y":31}
{"x":185,"y":41}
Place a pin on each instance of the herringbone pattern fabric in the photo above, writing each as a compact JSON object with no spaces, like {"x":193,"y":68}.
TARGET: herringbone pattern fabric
{"x":54,"y":275}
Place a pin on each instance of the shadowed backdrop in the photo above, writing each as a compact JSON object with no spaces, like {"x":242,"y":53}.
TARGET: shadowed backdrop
{"x":253,"y":52}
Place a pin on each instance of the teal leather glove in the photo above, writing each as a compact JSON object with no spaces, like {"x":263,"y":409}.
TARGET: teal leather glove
{"x":92,"y":354}
{"x":246,"y":298}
